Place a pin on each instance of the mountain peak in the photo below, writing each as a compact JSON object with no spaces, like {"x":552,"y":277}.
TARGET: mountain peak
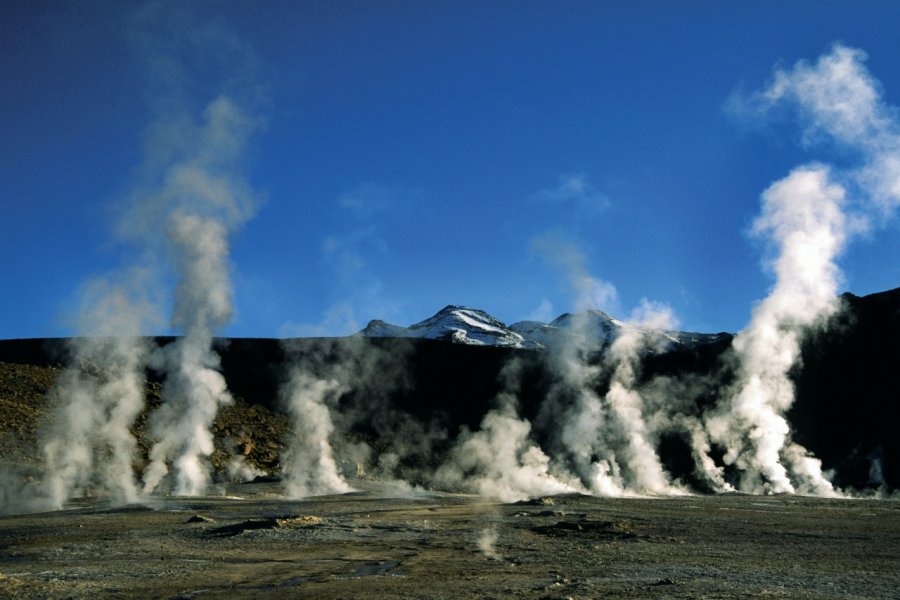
{"x":454,"y":323}
{"x":466,"y":325}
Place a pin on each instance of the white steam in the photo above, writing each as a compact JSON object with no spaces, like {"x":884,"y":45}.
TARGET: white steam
{"x":187,"y":200}
{"x":337,"y":389}
{"x":238,"y":469}
{"x":500,"y":460}
{"x":839,"y":99}
{"x":487,"y":543}
{"x":591,"y":293}
{"x":89,"y":448}
{"x":203,"y":202}
{"x":309,"y":465}
{"x":608,"y":436}
{"x":198,"y":202}
{"x":840,"y":102}
{"x":802,"y":215}
{"x":604,"y":437}
{"x":806,"y":217}
{"x":711,"y":473}
{"x":636,"y":442}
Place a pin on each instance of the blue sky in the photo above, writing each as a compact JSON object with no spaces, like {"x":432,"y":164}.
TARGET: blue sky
{"x":417,"y":154}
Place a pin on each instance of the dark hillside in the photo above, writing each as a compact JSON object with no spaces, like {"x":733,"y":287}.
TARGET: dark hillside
{"x":847,"y":385}
{"x":848,"y":389}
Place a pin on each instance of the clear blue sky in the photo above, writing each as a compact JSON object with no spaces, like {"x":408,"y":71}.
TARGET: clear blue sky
{"x":415,"y":152}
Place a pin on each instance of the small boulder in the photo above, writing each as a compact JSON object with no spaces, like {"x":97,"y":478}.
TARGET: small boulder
{"x":200,"y":519}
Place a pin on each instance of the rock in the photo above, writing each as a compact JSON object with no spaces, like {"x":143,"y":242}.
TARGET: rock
{"x":299,"y":521}
{"x":200,"y":519}
{"x":608,"y":529}
{"x":542,"y":501}
{"x":285,"y":522}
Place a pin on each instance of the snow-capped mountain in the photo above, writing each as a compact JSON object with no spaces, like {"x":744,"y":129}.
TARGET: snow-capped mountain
{"x":464,"y":325}
{"x":458,"y":324}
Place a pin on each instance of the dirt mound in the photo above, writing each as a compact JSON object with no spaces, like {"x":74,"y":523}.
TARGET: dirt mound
{"x":23,"y":399}
{"x":608,"y":529}
{"x":285,"y":522}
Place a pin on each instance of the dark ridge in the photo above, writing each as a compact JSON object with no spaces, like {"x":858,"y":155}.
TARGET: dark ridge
{"x":847,"y":387}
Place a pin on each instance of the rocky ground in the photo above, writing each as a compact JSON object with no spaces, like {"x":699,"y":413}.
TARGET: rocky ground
{"x":250,"y":433}
{"x":249,"y":541}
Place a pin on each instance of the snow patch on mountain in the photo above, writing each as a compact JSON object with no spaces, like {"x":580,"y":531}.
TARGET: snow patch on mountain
{"x":458,"y":324}
{"x":464,"y":325}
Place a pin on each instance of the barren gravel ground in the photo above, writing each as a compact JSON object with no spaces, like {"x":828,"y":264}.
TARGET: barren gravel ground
{"x":250,"y":542}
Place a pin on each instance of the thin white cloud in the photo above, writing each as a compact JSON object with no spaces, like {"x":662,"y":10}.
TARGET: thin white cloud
{"x":838,"y":100}
{"x":351,"y":256}
{"x":339,"y":319}
{"x":370,"y":199}
{"x":575,"y":190}
{"x":543,"y":312}
{"x":367,"y":199}
{"x":590,"y":292}
{"x":346,"y":254}
{"x":836,"y":95}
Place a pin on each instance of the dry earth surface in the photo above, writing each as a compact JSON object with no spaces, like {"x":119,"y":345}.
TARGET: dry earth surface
{"x":250,"y":541}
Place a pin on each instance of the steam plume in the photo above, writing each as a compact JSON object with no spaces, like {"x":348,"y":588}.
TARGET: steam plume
{"x":90,"y":447}
{"x":637,"y":451}
{"x":803,"y":216}
{"x":203,"y":203}
{"x":339,"y":388}
{"x":239,"y":469}
{"x":839,"y":99}
{"x":603,"y":436}
{"x":188,"y":199}
{"x":499,"y":460}
{"x":806,"y":217}
{"x":309,"y":464}
{"x":487,"y":543}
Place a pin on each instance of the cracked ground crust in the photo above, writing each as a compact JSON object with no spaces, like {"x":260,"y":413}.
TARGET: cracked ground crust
{"x":427,"y":546}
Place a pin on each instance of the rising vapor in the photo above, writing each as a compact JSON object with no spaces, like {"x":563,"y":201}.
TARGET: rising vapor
{"x":340,"y":386}
{"x":802,"y":215}
{"x":808,"y":217}
{"x":603,"y":437}
{"x":89,"y":447}
{"x":625,"y":404}
{"x":309,"y":464}
{"x":202,"y":203}
{"x":500,"y":460}
{"x":188,"y":199}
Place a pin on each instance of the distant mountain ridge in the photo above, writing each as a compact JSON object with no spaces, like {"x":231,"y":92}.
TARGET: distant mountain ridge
{"x":457,"y":324}
{"x":465,"y":325}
